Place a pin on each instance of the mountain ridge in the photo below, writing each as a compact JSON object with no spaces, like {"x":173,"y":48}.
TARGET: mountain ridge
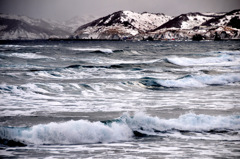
{"x":183,"y":27}
{"x":125,"y":25}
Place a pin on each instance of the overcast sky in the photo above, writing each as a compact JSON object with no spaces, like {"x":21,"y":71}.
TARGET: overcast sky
{"x":65,"y":9}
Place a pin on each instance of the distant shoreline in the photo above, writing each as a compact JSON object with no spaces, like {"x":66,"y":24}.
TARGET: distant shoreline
{"x":32,"y":40}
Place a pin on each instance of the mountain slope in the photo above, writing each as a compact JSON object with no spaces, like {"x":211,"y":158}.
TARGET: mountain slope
{"x":14,"y":27}
{"x":121,"y":23}
{"x":187,"y":21}
{"x":231,"y":19}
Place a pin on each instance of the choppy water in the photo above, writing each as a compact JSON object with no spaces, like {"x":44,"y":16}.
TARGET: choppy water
{"x":120,"y":99}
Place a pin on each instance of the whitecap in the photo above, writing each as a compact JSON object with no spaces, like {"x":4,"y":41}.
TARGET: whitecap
{"x":121,"y":129}
{"x":200,"y":80}
{"x":181,"y":83}
{"x":70,"y":132}
{"x":187,"y":122}
{"x":102,"y":50}
{"x":223,"y":60}
{"x":13,"y":46}
{"x":218,"y":79}
{"x":29,"y":56}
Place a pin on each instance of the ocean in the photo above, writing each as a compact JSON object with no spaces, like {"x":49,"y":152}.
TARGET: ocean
{"x":120,"y":99}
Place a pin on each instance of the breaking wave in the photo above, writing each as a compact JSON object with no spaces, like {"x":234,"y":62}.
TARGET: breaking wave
{"x":222,"y":60}
{"x":124,"y":128}
{"x":191,"y":81}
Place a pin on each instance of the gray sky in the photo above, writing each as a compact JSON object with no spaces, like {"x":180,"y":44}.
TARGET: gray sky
{"x":65,"y":9}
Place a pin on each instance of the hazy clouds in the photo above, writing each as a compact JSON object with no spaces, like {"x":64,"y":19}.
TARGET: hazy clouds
{"x":64,"y":9}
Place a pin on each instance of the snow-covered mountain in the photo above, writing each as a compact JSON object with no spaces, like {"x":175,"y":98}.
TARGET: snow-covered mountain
{"x":126,"y":25}
{"x":131,"y":25}
{"x":200,"y":26}
{"x":121,"y":24}
{"x":14,"y":27}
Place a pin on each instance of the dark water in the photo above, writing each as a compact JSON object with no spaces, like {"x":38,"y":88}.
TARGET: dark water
{"x":120,"y":99}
